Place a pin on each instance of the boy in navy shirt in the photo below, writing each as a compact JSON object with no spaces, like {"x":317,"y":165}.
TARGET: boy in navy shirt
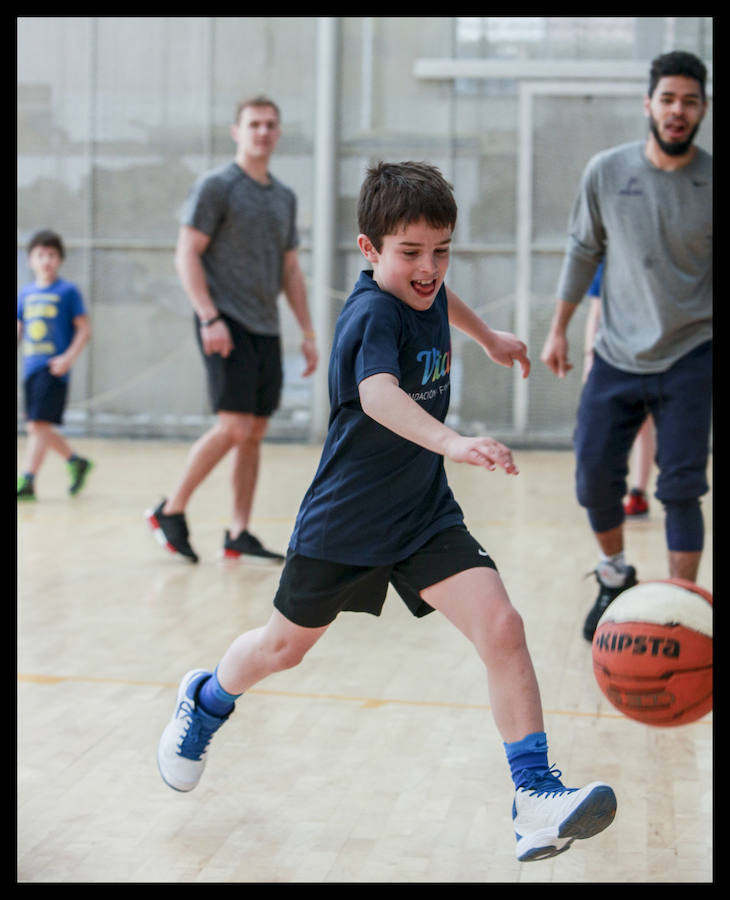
{"x":380,"y":511}
{"x":54,"y":328}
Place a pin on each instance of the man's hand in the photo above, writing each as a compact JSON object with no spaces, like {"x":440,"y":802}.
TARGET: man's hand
{"x":216,"y":338}
{"x":555,"y":354}
{"x":311,"y":356}
{"x":555,"y":350}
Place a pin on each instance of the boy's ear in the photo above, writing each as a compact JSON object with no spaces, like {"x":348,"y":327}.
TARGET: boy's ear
{"x":367,"y":249}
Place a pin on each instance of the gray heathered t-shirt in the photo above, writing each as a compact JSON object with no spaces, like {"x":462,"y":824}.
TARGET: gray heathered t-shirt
{"x":251,"y":226}
{"x":655,"y":230}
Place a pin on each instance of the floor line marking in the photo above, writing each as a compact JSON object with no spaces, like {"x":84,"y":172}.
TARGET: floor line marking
{"x":365,"y":702}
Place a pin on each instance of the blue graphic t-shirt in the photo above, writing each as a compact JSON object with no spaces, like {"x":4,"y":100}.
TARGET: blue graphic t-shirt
{"x":47,"y":314}
{"x":376,"y":497}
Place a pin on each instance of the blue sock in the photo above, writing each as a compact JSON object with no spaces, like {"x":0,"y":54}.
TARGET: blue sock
{"x":214,"y":700}
{"x":527,"y":756}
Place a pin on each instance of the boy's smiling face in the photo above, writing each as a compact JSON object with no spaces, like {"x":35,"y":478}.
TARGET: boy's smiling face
{"x":412,"y":263}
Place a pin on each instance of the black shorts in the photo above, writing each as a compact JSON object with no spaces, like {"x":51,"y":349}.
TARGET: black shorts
{"x":45,"y":397}
{"x":312,"y":592}
{"x":250,"y":378}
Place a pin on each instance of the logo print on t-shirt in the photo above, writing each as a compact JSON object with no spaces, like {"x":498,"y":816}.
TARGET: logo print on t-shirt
{"x":632,"y":189}
{"x":436,"y":364}
{"x":37,"y":329}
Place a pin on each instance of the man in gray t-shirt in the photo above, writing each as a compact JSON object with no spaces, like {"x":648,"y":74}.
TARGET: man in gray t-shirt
{"x":647,"y":208}
{"x":252,"y":226}
{"x":236,"y":252}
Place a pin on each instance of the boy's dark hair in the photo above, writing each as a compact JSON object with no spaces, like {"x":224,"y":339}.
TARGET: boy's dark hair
{"x":257,"y":100}
{"x":47,"y":238}
{"x":678,"y":62}
{"x":394,"y":195}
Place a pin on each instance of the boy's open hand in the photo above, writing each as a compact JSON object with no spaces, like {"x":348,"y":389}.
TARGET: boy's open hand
{"x":482,"y":451}
{"x":506,"y":349}
{"x":59,"y":365}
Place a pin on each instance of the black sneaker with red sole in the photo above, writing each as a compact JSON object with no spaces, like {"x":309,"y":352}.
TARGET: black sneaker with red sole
{"x":171,"y":531}
{"x":248,"y":548}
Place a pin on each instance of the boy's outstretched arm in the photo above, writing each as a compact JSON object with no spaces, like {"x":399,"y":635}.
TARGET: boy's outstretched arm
{"x":382,"y":398}
{"x":500,"y":346}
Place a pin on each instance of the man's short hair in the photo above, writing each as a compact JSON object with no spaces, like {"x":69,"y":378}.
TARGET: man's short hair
{"x":678,"y":62}
{"x":256,"y":100}
{"x":393,"y":195}
{"x":47,"y":238}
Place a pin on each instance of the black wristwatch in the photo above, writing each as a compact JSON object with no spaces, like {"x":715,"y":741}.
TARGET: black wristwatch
{"x":211,"y":321}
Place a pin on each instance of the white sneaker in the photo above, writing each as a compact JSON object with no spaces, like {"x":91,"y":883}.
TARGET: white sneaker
{"x":183,"y":747}
{"x":548,"y":817}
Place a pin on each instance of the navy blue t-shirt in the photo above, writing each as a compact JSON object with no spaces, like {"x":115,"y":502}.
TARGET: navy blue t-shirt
{"x":377,"y":497}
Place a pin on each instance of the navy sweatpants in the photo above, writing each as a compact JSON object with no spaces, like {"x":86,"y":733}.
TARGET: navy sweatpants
{"x":612,"y":409}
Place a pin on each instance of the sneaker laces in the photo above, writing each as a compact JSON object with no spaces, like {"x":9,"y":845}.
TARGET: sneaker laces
{"x":198,"y":734}
{"x":545,"y":782}
{"x":595,"y":573}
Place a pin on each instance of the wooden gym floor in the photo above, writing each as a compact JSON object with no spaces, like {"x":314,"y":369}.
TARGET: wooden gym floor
{"x":377,"y":759}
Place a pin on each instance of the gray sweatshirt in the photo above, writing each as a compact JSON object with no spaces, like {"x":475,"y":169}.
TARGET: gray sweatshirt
{"x":654,"y":229}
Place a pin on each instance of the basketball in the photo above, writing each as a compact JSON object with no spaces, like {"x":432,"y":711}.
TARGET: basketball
{"x":652,"y":652}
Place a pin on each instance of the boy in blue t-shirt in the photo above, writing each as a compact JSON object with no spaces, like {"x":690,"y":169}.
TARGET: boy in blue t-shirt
{"x":379,"y":510}
{"x":54,"y":328}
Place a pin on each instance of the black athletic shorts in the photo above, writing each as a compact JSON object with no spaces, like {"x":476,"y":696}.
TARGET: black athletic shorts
{"x":250,"y":378}
{"x":45,"y":397}
{"x":312,"y":592}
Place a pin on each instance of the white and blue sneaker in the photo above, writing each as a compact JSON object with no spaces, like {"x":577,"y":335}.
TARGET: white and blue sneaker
{"x":548,"y":817}
{"x":183,"y":747}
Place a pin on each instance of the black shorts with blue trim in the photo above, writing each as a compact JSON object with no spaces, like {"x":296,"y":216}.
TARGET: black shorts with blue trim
{"x":312,"y":592}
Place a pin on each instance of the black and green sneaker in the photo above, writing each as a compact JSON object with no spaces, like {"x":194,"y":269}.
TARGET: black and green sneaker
{"x":26,"y":490}
{"x":78,"y":469}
